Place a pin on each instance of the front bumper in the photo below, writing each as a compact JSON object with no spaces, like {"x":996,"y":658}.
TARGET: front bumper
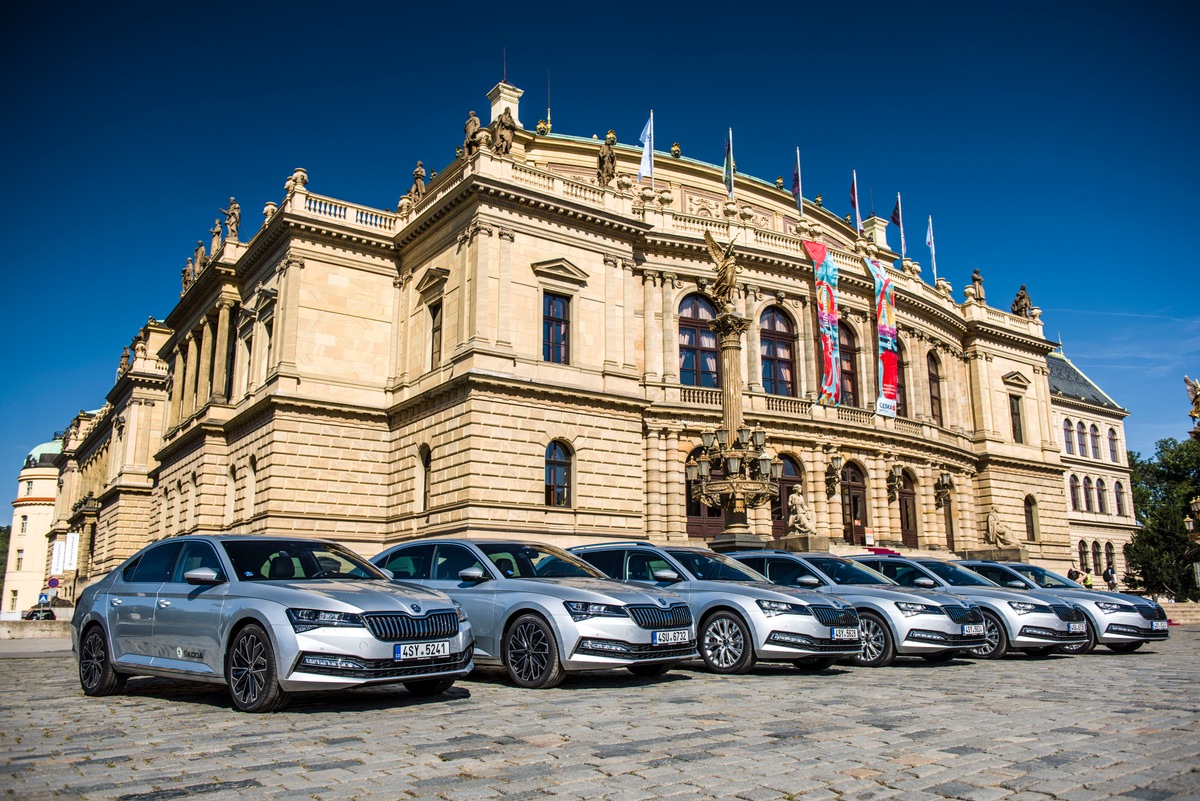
{"x":1037,"y":630}
{"x":600,"y":643}
{"x":791,"y":637}
{"x":1122,"y":627}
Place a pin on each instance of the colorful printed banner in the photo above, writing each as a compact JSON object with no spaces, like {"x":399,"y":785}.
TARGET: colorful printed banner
{"x":885,"y":316}
{"x":826,"y":274}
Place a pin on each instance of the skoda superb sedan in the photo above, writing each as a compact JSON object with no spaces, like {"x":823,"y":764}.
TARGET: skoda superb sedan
{"x":540,"y":612}
{"x":895,"y":620}
{"x":267,"y":616}
{"x":1119,"y":621}
{"x":1032,"y":622}
{"x":742,"y":617}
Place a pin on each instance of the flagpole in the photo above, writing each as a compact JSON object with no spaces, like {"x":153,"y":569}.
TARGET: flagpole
{"x":799,"y":187}
{"x":732,"y":169}
{"x":903,"y":246}
{"x":651,"y":150}
{"x":932,"y":249}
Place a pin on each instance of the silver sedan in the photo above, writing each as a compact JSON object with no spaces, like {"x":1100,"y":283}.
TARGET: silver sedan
{"x":541,"y":612}
{"x":267,"y":616}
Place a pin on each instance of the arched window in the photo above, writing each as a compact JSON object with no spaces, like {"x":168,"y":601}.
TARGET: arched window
{"x":935,"y":388}
{"x":1096,"y":568}
{"x":426,"y":475}
{"x":1119,"y":497}
{"x":1112,"y":444}
{"x":1110,"y":555}
{"x":1074,"y":494}
{"x":1095,"y":436}
{"x":1101,"y":497}
{"x":1083,"y":555}
{"x":848,"y":358}
{"x":703,"y":521}
{"x":558,"y":474}
{"x":1087,"y":494}
{"x":699,"y":360}
{"x":1031,"y":521}
{"x":791,"y":481}
{"x":778,"y":347}
{"x":1081,"y":437}
{"x":901,"y":384}
{"x":1068,"y":442}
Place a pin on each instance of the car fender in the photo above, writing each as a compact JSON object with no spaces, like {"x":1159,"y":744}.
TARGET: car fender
{"x":744,"y":608}
{"x":544,"y":608}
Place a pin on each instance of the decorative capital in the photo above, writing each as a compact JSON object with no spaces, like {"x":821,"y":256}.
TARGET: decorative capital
{"x":507,"y":234}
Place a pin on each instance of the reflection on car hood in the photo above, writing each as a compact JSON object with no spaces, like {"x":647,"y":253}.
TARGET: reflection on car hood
{"x":345,"y":596}
{"x":594,"y":590}
{"x":1006,"y":594}
{"x":765,"y":591}
{"x":882,"y":592}
{"x":1097,"y":595}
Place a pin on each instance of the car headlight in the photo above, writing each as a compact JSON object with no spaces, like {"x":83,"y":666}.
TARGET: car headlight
{"x":908,"y":609}
{"x":1025,"y":608}
{"x":462,"y":616}
{"x":773,"y":608}
{"x":1110,"y":608}
{"x":582,"y":610}
{"x":309,"y":619}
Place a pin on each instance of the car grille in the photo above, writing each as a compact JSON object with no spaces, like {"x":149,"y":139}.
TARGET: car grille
{"x":395,"y":628}
{"x":652,"y":617}
{"x":964,"y":614}
{"x":378,"y":669}
{"x":831,"y":616}
{"x":1151,"y":612}
{"x":1068,"y":613}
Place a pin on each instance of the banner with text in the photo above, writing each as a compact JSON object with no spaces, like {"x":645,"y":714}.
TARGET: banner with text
{"x":826,"y":275}
{"x":885,"y":317}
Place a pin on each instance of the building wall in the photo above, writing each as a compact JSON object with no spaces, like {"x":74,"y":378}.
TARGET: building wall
{"x":28,"y":548}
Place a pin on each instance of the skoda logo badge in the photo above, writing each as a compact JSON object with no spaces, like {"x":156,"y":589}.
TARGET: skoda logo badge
{"x":416,"y":607}
{"x":662,"y":601}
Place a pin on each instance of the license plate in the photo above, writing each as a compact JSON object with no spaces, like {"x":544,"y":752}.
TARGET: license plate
{"x":972,"y":629}
{"x":845,"y":634}
{"x":1077,"y":628}
{"x":421,"y":650}
{"x":672,"y":637}
{"x":1158,"y":625}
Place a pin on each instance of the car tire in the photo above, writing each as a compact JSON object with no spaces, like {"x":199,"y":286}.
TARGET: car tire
{"x":1042,"y":652}
{"x":726,"y":645}
{"x":657,"y":669}
{"x":815,"y":664}
{"x":1085,"y":647}
{"x":427,"y":687}
{"x":996,"y":635}
{"x":96,"y":673}
{"x":1124,"y":647}
{"x":878,"y":645}
{"x":948,"y":655}
{"x":251,"y":673}
{"x":530,"y":654}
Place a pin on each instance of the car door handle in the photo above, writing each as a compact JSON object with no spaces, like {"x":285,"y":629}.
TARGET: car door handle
{"x":163,"y":604}
{"x":114,"y":601}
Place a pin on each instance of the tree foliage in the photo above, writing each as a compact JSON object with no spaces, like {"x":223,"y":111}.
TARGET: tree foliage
{"x":5,"y":533}
{"x":1160,"y":556}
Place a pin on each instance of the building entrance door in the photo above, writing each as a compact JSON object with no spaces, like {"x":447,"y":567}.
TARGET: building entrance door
{"x":908,"y":513}
{"x":854,"y":505}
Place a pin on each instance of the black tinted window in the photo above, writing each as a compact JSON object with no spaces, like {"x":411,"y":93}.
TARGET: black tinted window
{"x":410,"y":563}
{"x":754,"y":563}
{"x":788,"y":571}
{"x":452,"y":560}
{"x":607,"y":562}
{"x":155,"y":565}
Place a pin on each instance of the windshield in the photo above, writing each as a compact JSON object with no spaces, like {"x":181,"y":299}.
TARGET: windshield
{"x":1044,"y":578}
{"x":957,"y":576}
{"x":843,"y":571}
{"x":715,"y":567}
{"x":289,"y":560}
{"x":532,"y":561}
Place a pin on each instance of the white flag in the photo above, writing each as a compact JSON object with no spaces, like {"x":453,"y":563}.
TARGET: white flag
{"x":647,"y":140}
{"x":932,"y":251}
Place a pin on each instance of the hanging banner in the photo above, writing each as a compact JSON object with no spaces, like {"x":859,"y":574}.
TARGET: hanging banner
{"x":826,"y":274}
{"x":885,"y":316}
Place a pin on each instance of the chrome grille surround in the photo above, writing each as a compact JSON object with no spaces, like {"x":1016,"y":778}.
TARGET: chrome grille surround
{"x":676,"y":616}
{"x":832,"y":616}
{"x":964,"y":614}
{"x":392,"y":627}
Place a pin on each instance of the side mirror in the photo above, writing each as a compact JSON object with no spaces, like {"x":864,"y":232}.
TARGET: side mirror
{"x":808,"y":581}
{"x":472,"y":575}
{"x":387,"y":572}
{"x":666,"y":575}
{"x":203,"y":575}
{"x":924,"y":582}
{"x":1016,"y":584}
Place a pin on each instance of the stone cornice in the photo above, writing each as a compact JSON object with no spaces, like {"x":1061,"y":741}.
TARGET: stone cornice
{"x":1096,"y":410}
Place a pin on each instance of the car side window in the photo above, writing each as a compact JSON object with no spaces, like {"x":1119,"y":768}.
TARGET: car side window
{"x":607,"y":562}
{"x":451,"y":559}
{"x":196,"y":554}
{"x":901,"y":574}
{"x":410,"y":563}
{"x":1001,"y":577}
{"x":156,"y":564}
{"x":787,"y":571}
{"x":642,"y":566}
{"x":755,"y":563}
{"x":128,"y":570}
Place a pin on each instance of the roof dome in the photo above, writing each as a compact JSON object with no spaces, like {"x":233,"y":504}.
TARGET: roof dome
{"x":44,"y":453}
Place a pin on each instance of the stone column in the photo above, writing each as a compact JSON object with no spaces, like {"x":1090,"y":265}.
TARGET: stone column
{"x":221,"y":367}
{"x":614,"y":330}
{"x":189,"y":378}
{"x":629,"y":358}
{"x":670,"y":345}
{"x":204,"y":378}
{"x":480,"y":296}
{"x":675,"y":514}
{"x":927,"y":533}
{"x":653,"y":468}
{"x":806,"y":351}
{"x":504,"y":289}
{"x":753,"y":341}
{"x":286,"y":309}
{"x":881,"y":522}
{"x":653,"y":332}
{"x":177,"y":371}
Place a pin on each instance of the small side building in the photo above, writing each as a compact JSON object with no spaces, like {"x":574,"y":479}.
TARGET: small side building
{"x":33,"y":512}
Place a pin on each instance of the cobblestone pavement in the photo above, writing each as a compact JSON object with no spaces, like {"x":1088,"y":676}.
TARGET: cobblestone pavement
{"x":1074,"y":728}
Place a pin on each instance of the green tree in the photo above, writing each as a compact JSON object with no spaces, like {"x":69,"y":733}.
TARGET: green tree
{"x":5,"y":532}
{"x":1160,"y":555}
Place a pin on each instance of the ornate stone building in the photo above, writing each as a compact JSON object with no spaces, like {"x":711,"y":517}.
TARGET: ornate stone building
{"x":524,"y":350}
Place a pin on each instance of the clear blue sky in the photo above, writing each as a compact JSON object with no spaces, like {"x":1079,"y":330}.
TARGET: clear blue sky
{"x":1054,"y":144}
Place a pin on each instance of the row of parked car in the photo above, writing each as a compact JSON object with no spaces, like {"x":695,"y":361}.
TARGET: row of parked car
{"x":271,"y":616}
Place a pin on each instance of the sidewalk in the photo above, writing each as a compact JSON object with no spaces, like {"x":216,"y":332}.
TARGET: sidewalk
{"x":35,"y":648}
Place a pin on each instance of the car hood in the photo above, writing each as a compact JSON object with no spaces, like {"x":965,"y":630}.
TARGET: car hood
{"x":1005,"y":594}
{"x":765,"y":591}
{"x":595,"y":590}
{"x":888,"y":593}
{"x":1097,"y":595}
{"x":348,"y":596}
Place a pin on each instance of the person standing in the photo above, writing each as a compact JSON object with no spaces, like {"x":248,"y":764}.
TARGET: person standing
{"x":1086,"y":581}
{"x":1110,"y":577}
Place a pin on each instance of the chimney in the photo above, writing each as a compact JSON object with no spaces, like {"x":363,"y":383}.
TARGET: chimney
{"x":505,"y":95}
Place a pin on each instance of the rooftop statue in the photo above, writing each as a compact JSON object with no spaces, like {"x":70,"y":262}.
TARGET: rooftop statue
{"x":506,"y":127}
{"x":1193,"y":391}
{"x":418,"y":187}
{"x":977,"y":283}
{"x":727,"y":270}
{"x":233,"y":218}
{"x":1022,"y":305}
{"x":215,"y":232}
{"x":606,"y":160}
{"x":471,"y":128}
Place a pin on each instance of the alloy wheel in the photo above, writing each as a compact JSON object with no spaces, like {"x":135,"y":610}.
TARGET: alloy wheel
{"x":724,"y":642}
{"x":528,"y":652}
{"x":248,"y":668}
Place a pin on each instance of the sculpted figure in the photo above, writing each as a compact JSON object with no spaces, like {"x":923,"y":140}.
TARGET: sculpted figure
{"x":124,"y":365}
{"x":200,"y":257}
{"x":418,"y":187}
{"x":1193,"y":391}
{"x":470,"y":146}
{"x":606,"y":161}
{"x":727,"y":270}
{"x":215,"y":232}
{"x":506,"y":126}
{"x":996,"y":532}
{"x":1022,"y":305}
{"x":801,"y":519}
{"x":233,"y":218}
{"x":977,"y":283}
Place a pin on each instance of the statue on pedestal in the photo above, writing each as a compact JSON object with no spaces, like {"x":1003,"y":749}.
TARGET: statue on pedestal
{"x":418,"y":187}
{"x":471,"y":128}
{"x":1022,"y":305}
{"x":727,"y":270}
{"x":996,"y":532}
{"x":233,"y":218}
{"x":977,"y":284}
{"x":802,"y":522}
{"x":506,"y":127}
{"x":606,"y":160}
{"x":215,"y":232}
{"x":1193,"y":391}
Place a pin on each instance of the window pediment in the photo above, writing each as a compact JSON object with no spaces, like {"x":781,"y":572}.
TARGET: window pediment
{"x":1016,"y":380}
{"x":432,"y":282}
{"x":561,"y":271}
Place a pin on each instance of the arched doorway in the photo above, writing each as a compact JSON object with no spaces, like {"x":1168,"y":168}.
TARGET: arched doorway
{"x":854,"y":505}
{"x":703,"y":521}
{"x":908,"y":511}
{"x":792,"y":479}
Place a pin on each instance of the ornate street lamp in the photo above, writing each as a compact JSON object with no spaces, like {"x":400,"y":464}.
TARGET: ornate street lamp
{"x":894,"y":481}
{"x":833,"y":475}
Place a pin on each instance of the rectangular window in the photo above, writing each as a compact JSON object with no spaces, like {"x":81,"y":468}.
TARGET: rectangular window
{"x":435,"y":336}
{"x":1018,"y":429}
{"x":555,"y":328}
{"x":12,"y":600}
{"x":28,"y":488}
{"x":24,"y":523}
{"x":20,"y":560}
